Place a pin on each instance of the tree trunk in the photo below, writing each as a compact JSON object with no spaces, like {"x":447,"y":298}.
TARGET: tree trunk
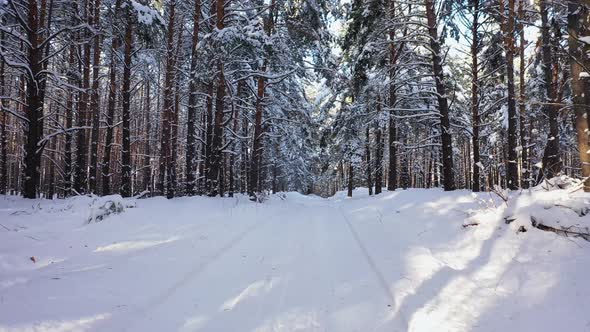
{"x":525,"y":182}
{"x":475,"y":94}
{"x":3,"y":127}
{"x":232,"y":157}
{"x":551,"y":160}
{"x":147,"y":168}
{"x":94,"y":101}
{"x":34,"y":101}
{"x":217,"y":139}
{"x":579,"y":25}
{"x":81,"y":170}
{"x":368,"y":161}
{"x":126,"y":190}
{"x":69,"y":122}
{"x":392,"y":169}
{"x":111,"y":103}
{"x":511,"y":162}
{"x":256,"y":158}
{"x":173,"y":144}
{"x":350,"y":180}
{"x":209,"y":136}
{"x":445,"y":125}
{"x":191,"y":140}
{"x":244,"y":183}
{"x":168,"y":110}
{"x":378,"y":160}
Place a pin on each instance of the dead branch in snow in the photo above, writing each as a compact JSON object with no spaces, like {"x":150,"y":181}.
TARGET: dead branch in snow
{"x":569,"y":231}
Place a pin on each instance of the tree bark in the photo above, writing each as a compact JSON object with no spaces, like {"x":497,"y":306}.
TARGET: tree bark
{"x":126,"y":190}
{"x":81,"y":169}
{"x":512,"y":157}
{"x":172,"y":176}
{"x":94,"y":101}
{"x":111,"y":103}
{"x":34,"y":101}
{"x":147,"y":168}
{"x":168,"y":110}
{"x":209,"y":136}
{"x":69,"y":122}
{"x":256,"y":159}
{"x":191,"y":139}
{"x":445,"y":125}
{"x":368,"y":160}
{"x":392,"y":167}
{"x":350,"y":179}
{"x":579,"y":25}
{"x":3,"y":126}
{"x":551,"y":159}
{"x":525,"y":181}
{"x":475,"y":95}
{"x":217,"y":140}
{"x":378,"y":160}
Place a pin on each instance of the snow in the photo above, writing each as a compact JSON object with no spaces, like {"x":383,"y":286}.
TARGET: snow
{"x":410,"y":260}
{"x":584,"y":39}
{"x":584,"y":74}
{"x":145,"y":14}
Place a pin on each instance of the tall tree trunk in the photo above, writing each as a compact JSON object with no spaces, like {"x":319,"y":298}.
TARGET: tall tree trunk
{"x":147,"y":169}
{"x":350,"y":180}
{"x":257,"y":139}
{"x":551,"y":160}
{"x":172,"y":175}
{"x":94,"y":101}
{"x":191,"y":139}
{"x":368,"y":160}
{"x":81,"y":170}
{"x":256,"y":158}
{"x":244,"y":184}
{"x":578,"y":26}
{"x":392,"y":167}
{"x":173,"y":145}
{"x":34,"y":101}
{"x":126,"y":190}
{"x":443,"y":107}
{"x":168,"y":109}
{"x":3,"y":126}
{"x":232,"y":157}
{"x":475,"y":94}
{"x":209,"y":136}
{"x":111,"y":103}
{"x":215,"y":175}
{"x":69,"y":123}
{"x":52,"y":161}
{"x":378,"y":159}
{"x":512,"y":157}
{"x":522,"y":107}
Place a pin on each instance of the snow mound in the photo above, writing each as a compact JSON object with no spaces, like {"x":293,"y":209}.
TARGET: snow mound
{"x":103,"y":207}
{"x":556,"y":206}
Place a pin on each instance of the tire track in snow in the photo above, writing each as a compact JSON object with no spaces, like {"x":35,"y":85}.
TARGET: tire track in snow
{"x":371,"y":262}
{"x":160,"y":299}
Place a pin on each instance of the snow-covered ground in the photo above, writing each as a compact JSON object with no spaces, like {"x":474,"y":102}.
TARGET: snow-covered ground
{"x":401,"y":261}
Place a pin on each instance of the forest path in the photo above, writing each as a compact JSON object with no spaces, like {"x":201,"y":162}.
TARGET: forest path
{"x":302,"y":267}
{"x":399,"y":261}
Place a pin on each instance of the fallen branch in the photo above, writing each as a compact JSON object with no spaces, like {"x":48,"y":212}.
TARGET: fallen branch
{"x":563,"y":231}
{"x":470,"y":224}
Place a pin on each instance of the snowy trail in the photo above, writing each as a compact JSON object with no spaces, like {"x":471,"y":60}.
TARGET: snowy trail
{"x":299,"y":279}
{"x":397,"y":262}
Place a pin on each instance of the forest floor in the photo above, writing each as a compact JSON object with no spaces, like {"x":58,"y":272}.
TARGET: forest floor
{"x":409,"y":260}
